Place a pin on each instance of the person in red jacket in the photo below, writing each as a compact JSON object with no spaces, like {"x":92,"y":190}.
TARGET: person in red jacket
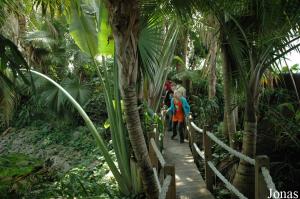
{"x":180,"y":109}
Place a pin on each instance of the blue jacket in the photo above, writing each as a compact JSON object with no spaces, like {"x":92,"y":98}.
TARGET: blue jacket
{"x":185,"y":106}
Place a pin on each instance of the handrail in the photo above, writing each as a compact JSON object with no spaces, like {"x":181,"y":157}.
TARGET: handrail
{"x":200,"y":153}
{"x":158,"y":153}
{"x":225,"y":146}
{"x":196,"y":127}
{"x":156,"y":179}
{"x":268,"y":179}
{"x":262,"y":168}
{"x":230,"y":150}
{"x":165,"y":187}
{"x":161,"y":169}
{"x":229,"y":186}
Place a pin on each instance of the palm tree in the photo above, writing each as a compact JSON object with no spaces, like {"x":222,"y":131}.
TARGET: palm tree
{"x":124,"y":20}
{"x":254,"y":45}
{"x":251,"y":43}
{"x":228,"y":92}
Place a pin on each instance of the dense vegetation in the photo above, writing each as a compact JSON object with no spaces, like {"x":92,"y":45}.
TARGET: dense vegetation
{"x":88,"y":137}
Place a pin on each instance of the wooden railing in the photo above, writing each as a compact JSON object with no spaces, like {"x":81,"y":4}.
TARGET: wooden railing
{"x":263,"y":180}
{"x":164,"y":173}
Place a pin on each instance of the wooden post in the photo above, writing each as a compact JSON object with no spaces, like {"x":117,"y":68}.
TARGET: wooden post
{"x":261,"y":190}
{"x":191,"y":135}
{"x":152,"y":155}
{"x":170,"y":170}
{"x":209,"y":175}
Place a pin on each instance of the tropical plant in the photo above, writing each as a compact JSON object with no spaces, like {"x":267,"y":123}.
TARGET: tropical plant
{"x":94,"y":132}
{"x":262,"y":46}
{"x":251,"y":43}
{"x":11,"y":61}
{"x":7,"y":97}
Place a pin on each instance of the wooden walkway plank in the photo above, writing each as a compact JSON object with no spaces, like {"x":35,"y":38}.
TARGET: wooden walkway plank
{"x":189,"y":182}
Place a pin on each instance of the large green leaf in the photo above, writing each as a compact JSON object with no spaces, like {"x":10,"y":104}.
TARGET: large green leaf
{"x":83,"y":28}
{"x":105,"y":38}
{"x":89,"y":27}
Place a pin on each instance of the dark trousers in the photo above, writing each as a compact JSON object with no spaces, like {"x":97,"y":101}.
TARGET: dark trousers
{"x":180,"y":129}
{"x":169,"y":120}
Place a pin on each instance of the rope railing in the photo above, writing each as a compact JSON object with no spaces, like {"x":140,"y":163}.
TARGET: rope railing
{"x":200,"y":153}
{"x":161,"y":169}
{"x":158,"y":153}
{"x":228,"y":185}
{"x":268,"y":179}
{"x":165,"y":187}
{"x":230,"y":150}
{"x":225,"y":146}
{"x":156,"y":179}
{"x":196,"y":127}
{"x":263,"y":179}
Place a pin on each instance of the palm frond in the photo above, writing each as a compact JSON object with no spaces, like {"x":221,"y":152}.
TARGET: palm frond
{"x":54,"y":98}
{"x":8,"y":95}
{"x":11,"y":57}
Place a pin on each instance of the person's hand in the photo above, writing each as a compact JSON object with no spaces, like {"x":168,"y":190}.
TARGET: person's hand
{"x":186,"y":119}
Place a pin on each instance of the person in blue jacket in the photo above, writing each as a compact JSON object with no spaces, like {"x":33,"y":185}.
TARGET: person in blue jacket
{"x":180,"y":110}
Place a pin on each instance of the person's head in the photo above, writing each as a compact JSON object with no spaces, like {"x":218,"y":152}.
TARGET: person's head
{"x":177,"y":95}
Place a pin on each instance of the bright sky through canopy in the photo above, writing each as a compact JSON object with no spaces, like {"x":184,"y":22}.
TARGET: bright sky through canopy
{"x":293,"y":58}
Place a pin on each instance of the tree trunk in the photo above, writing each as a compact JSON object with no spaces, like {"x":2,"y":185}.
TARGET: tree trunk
{"x":225,"y":126}
{"x":181,"y":51}
{"x":212,"y":69}
{"x":244,"y":177}
{"x":124,"y":19}
{"x":228,"y":99}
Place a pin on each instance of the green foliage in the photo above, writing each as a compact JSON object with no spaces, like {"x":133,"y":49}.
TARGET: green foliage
{"x":89,"y":28}
{"x":294,"y":69}
{"x":151,"y":120}
{"x":282,"y":112}
{"x":13,"y":168}
{"x":279,"y":126}
{"x":222,"y":193}
{"x":207,"y":112}
{"x":14,"y":165}
{"x":96,"y":107}
{"x":33,"y":103}
{"x":11,"y":61}
{"x":23,"y":176}
{"x":8,"y":98}
{"x":83,"y":182}
{"x":57,"y":101}
{"x":48,"y":43}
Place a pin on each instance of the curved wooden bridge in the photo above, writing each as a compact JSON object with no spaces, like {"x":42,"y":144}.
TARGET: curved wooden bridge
{"x":177,"y":175}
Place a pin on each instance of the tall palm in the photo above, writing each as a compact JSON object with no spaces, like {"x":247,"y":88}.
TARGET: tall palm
{"x":124,"y":20}
{"x":254,"y":45}
{"x":251,"y":43}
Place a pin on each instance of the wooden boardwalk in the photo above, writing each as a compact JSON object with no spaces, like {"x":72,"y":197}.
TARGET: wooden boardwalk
{"x":189,"y":182}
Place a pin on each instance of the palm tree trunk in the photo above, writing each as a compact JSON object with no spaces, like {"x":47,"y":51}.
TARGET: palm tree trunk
{"x":138,"y":142}
{"x":244,"y":177}
{"x":212,"y":71}
{"x":225,"y":125}
{"x":228,"y":98}
{"x":124,"y":19}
